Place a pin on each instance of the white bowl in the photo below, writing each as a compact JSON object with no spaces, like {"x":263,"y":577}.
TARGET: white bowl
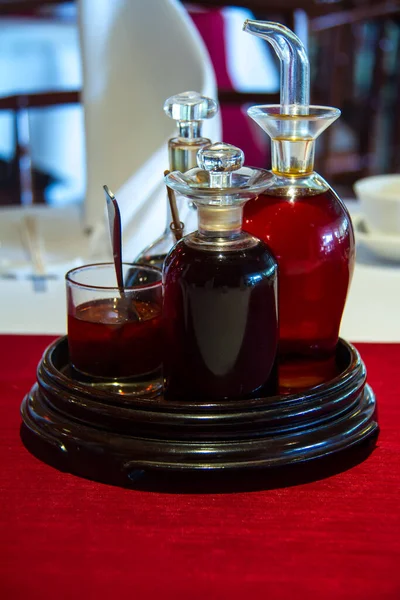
{"x":381,"y":244}
{"x":379,"y":198}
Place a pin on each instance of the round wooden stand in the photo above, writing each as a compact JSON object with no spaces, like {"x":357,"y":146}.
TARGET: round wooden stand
{"x":115,"y":438}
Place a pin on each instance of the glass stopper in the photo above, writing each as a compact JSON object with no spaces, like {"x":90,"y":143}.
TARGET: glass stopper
{"x":220,"y":160}
{"x":190,"y":106}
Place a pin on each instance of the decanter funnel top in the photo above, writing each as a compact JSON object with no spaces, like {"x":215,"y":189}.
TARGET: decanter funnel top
{"x":294,"y":124}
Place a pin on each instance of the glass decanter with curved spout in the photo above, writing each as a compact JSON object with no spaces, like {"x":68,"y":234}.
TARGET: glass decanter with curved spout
{"x":188,"y":109}
{"x":220,"y":310}
{"x":303,"y":221}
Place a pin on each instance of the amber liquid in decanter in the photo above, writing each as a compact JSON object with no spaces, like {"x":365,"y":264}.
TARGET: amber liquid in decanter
{"x":302,"y":220}
{"x":311,"y":236}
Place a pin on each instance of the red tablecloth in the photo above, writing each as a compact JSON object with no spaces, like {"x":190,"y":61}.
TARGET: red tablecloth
{"x":67,"y":538}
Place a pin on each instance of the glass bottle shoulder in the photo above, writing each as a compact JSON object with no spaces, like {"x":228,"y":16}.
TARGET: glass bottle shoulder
{"x":306,"y":185}
{"x":286,"y":198}
{"x":302,"y":222}
{"x":248,"y":255}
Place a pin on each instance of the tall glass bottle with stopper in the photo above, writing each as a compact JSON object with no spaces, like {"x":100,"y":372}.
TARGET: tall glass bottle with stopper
{"x":302,"y":219}
{"x":220,"y":288}
{"x":188,"y":109}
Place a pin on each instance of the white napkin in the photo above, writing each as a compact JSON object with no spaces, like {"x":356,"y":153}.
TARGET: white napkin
{"x":26,"y":306}
{"x":135,"y":55}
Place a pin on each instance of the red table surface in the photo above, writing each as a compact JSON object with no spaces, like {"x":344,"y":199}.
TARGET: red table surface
{"x":64,"y":537}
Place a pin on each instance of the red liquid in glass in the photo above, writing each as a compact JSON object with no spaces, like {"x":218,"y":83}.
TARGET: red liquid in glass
{"x":102,"y":343}
{"x":220,"y":320}
{"x":312,"y":239}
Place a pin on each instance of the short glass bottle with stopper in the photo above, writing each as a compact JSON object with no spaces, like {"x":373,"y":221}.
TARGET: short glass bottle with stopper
{"x":220,"y":288}
{"x":303,"y":221}
{"x":188,"y":109}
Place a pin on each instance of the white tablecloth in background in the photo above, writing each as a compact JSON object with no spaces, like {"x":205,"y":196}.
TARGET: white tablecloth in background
{"x":371,"y":313}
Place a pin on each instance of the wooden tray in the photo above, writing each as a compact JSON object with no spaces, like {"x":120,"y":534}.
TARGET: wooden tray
{"x":114,"y":438}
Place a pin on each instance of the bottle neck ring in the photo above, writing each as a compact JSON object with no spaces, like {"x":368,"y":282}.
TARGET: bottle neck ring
{"x":183,"y":153}
{"x":219,"y":221}
{"x":293,"y":157}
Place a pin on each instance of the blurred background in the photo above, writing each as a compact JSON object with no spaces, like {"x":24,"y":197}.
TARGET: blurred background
{"x":354,"y":49}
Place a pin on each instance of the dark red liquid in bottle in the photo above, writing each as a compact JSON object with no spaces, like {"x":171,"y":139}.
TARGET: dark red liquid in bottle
{"x":312,"y":239}
{"x":220,"y":319}
{"x":102,"y":343}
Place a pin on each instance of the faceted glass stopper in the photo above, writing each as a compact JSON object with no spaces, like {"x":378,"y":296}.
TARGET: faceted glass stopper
{"x":220,"y":168}
{"x":190,"y":106}
{"x":220,"y":158}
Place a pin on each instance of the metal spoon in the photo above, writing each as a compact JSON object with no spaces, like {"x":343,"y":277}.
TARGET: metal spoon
{"x":114,"y":222}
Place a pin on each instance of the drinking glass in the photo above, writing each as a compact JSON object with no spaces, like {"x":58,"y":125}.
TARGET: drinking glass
{"x":115,"y":339}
